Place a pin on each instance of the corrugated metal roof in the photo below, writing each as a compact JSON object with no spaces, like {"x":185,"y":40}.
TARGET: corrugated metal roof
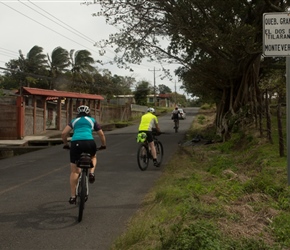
{"x":165,"y":95}
{"x":56,"y":93}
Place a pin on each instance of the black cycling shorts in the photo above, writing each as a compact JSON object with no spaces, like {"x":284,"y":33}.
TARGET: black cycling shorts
{"x":149,"y":135}
{"x":79,"y":147}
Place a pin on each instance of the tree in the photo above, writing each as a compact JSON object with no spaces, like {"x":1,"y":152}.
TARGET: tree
{"x":28,"y":71}
{"x":122,"y":85}
{"x":163,"y":89}
{"x":58,"y":62}
{"x":81,"y":62}
{"x":101,"y":85}
{"x":141,"y":92}
{"x":217,"y":43}
{"x":35,"y":64}
{"x":13,"y":76}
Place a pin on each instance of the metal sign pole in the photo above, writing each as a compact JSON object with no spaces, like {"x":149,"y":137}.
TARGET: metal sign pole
{"x":288,"y":115}
{"x":276,"y":44}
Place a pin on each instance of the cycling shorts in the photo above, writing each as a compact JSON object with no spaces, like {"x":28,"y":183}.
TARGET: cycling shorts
{"x":149,"y":135}
{"x":79,"y":147}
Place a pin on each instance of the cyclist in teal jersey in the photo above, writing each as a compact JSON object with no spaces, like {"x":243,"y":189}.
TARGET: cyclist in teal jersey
{"x":82,"y":142}
{"x":147,"y":123}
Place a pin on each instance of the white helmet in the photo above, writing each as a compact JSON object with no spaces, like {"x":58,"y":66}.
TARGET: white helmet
{"x":83,"y":109}
{"x":151,"y":110}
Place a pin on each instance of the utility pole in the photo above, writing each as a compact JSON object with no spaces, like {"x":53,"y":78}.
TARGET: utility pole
{"x":175,"y":93}
{"x":154,"y":85}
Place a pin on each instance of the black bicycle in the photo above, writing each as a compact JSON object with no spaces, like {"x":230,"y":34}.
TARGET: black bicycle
{"x":176,"y":125}
{"x":144,"y":152}
{"x":82,"y":189}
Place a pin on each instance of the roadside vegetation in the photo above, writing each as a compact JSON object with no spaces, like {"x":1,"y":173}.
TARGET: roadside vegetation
{"x":230,"y":195}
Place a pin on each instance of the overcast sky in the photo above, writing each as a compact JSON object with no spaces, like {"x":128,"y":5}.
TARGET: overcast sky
{"x":65,"y":23}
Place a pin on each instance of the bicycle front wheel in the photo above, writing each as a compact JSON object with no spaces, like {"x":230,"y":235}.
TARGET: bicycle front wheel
{"x":82,"y":192}
{"x":159,"y":151}
{"x":143,"y":157}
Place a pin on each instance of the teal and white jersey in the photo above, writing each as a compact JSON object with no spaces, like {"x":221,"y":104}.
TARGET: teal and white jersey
{"x":83,"y":128}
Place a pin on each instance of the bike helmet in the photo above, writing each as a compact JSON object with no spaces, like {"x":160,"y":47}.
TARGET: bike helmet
{"x":83,"y":109}
{"x":151,"y":110}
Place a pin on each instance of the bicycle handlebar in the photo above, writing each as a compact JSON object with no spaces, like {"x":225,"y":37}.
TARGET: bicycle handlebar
{"x":66,"y":147}
{"x":159,"y":133}
{"x":99,"y":148}
{"x":102,"y":148}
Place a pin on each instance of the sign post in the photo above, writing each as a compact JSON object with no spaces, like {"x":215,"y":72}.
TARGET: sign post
{"x":276,"y":43}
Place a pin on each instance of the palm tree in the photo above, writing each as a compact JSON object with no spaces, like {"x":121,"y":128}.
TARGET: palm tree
{"x":81,"y":62}
{"x":34,"y":67}
{"x":35,"y":58}
{"x":58,"y":62}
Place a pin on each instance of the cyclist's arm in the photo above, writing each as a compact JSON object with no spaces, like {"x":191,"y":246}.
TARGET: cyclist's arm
{"x":102,"y":137}
{"x":157,"y":125}
{"x":100,"y":133}
{"x":65,"y":133}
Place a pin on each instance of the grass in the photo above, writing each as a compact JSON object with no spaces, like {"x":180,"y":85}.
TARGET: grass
{"x":231,"y":195}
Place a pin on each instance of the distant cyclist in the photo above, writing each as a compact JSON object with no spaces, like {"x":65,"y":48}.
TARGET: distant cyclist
{"x":82,"y":142}
{"x":175,"y":116}
{"x":147,"y":123}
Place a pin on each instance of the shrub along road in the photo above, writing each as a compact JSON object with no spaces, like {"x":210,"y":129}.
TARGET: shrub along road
{"x":34,"y":192}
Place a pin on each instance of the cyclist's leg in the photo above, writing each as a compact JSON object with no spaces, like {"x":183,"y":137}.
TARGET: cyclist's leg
{"x":75,"y":171}
{"x":94,"y":161}
{"x":153,"y":150}
{"x":92,"y":150}
{"x":151,"y":143}
{"x":92,"y":170}
{"x":90,"y":147}
{"x":154,"y":154}
{"x":74,"y":175}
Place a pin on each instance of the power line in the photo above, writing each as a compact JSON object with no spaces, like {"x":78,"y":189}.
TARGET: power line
{"x":74,"y":31}
{"x":154,"y":70}
{"x":5,"y":54}
{"x":86,"y":37}
{"x":142,"y":66}
{"x":46,"y":26}
{"x":8,"y":51}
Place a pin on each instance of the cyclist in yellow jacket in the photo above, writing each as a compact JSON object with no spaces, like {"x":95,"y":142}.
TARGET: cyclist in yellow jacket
{"x":148,"y":122}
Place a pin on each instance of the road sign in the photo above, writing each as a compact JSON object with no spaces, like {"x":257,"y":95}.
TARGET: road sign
{"x":276,"y":34}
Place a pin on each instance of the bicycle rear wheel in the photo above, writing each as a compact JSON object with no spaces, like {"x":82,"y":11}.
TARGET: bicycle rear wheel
{"x":176,"y":126}
{"x":82,"y":192}
{"x":159,"y":151}
{"x":143,"y":157}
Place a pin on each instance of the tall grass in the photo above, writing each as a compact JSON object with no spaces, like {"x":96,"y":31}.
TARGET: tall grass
{"x":231,"y":195}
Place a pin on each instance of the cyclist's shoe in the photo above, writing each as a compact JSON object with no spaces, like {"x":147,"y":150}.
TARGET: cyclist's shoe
{"x":72,"y":200}
{"x":155,"y":163}
{"x":91,"y":177}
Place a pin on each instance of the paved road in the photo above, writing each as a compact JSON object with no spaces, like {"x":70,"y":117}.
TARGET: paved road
{"x":34,"y":192}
